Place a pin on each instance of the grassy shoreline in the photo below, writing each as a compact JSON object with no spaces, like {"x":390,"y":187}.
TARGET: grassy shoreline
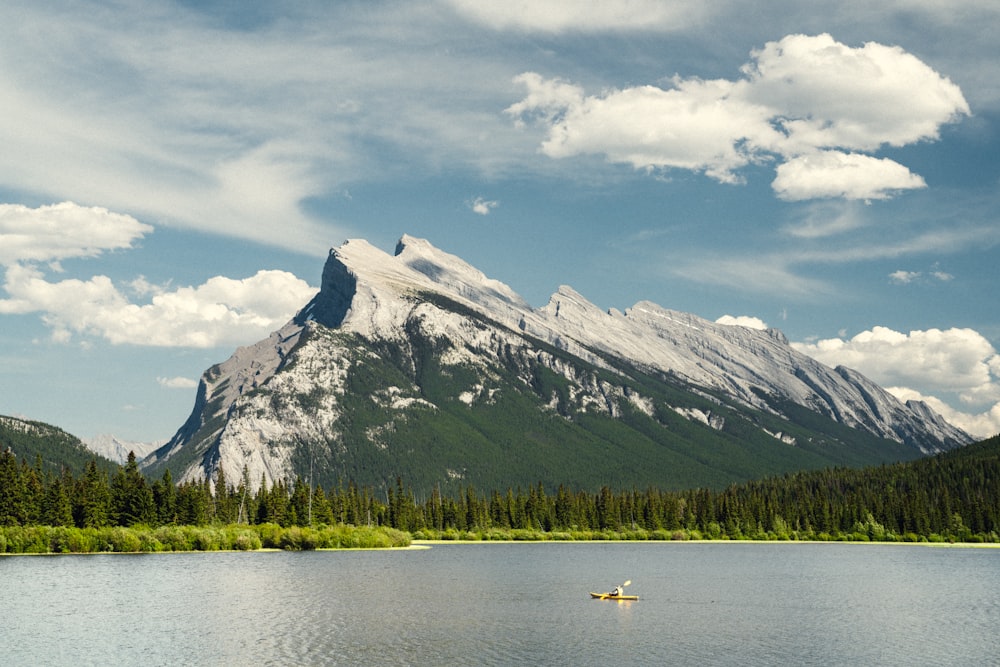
{"x":165,"y":539}
{"x":880,"y":536}
{"x":272,"y":537}
{"x":943,"y":545}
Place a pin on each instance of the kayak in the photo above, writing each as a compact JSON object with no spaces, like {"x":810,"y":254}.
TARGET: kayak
{"x":609,"y":596}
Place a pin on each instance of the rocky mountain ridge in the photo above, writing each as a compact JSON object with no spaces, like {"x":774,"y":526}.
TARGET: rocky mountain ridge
{"x":115,"y":449}
{"x":396,"y":345}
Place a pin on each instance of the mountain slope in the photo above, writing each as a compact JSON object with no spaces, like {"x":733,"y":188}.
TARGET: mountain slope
{"x":419,"y":365}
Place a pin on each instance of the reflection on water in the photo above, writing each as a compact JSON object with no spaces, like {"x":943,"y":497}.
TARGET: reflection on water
{"x":502,"y":604}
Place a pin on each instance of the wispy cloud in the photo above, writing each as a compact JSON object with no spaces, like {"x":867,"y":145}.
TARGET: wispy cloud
{"x":233,"y":130}
{"x":785,"y":269}
{"x":556,"y":16}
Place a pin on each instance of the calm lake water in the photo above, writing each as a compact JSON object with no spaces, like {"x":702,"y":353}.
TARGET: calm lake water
{"x":508,"y":604}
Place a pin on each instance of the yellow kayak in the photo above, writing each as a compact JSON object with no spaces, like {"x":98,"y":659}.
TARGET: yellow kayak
{"x":609,"y":596}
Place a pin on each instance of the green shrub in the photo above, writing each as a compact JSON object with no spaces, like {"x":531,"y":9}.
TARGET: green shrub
{"x":270,"y":535}
{"x":120,"y":540}
{"x":246,"y":540}
{"x":59,"y":539}
{"x":207,"y":538}
{"x":83,"y":540}
{"x":148,"y":542}
{"x":27,"y":540}
{"x":174,"y":538}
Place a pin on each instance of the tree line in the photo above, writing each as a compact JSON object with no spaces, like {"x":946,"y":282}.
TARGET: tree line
{"x":951,"y":497}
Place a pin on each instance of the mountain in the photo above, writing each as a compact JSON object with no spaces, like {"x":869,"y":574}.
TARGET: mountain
{"x":33,"y":441}
{"x":114,"y":449}
{"x":417,"y":364}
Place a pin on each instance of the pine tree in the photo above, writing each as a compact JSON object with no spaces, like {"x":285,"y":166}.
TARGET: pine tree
{"x":165,"y":499}
{"x":301,"y":506}
{"x":56,"y":507}
{"x":93,"y":499}
{"x":34,"y":490}
{"x":12,"y":509}
{"x":321,"y":513}
{"x":131,"y":497}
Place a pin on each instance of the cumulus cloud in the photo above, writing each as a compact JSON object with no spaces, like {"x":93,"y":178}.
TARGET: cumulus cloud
{"x":981,"y":425}
{"x":482,"y":206}
{"x":931,"y":363}
{"x":177,"y":383}
{"x":830,"y":95}
{"x":743,"y":321}
{"x":588,"y":15}
{"x":844,"y":175}
{"x":61,"y":231}
{"x":811,"y":103}
{"x":697,"y":125}
{"x":220,"y":311}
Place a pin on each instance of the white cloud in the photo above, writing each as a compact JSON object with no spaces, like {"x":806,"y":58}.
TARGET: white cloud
{"x":177,"y":383}
{"x":221,"y":311}
{"x":800,"y":100}
{"x":61,"y":231}
{"x":697,"y":125}
{"x":843,"y":175}
{"x":583,"y":15}
{"x":830,"y":95}
{"x":904,"y":277}
{"x":933,"y":363}
{"x":743,"y":321}
{"x":981,"y":425}
{"x":483,"y":206}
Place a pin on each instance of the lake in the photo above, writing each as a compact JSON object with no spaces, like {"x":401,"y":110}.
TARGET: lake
{"x":509,"y":604}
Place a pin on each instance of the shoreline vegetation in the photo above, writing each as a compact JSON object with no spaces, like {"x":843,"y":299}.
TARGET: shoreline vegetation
{"x":54,"y":540}
{"x":163,"y":539}
{"x":951,"y":498}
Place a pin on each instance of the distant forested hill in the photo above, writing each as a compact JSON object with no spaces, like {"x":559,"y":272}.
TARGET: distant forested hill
{"x":29,"y":440}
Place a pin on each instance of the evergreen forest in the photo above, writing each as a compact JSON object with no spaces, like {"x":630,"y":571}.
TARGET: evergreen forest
{"x":951,"y":497}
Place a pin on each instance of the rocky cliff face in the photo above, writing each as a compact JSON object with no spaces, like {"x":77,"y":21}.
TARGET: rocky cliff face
{"x":401,"y":364}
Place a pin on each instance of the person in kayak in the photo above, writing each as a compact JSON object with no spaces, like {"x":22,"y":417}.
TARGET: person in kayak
{"x":617,"y":591}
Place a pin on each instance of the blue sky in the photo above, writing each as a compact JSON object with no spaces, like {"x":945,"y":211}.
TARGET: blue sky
{"x":174,"y":174}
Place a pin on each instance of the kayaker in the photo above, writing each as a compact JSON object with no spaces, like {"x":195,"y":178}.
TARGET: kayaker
{"x":617,"y":591}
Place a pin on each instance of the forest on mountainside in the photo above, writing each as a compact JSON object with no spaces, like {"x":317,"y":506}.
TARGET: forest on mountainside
{"x":951,"y":497}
